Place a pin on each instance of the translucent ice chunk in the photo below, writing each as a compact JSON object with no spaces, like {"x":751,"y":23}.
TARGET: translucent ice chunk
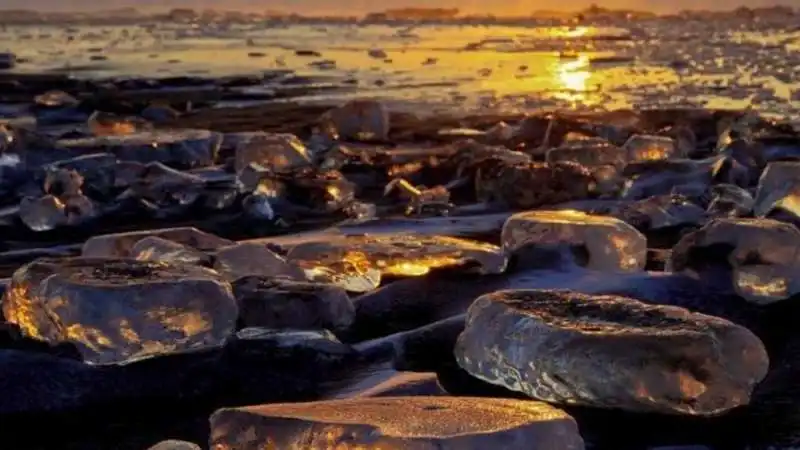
{"x":258,"y":206}
{"x":529,"y":186}
{"x":764,"y":284}
{"x":87,"y":166}
{"x":730,"y":200}
{"x":611,"y":244}
{"x":338,"y":193}
{"x":361,"y":210}
{"x":649,"y":178}
{"x":641,"y":147}
{"x":275,"y":151}
{"x":609,"y":181}
{"x":275,"y":302}
{"x":740,"y":162}
{"x":661,"y":212}
{"x":471,"y":154}
{"x":352,"y":275}
{"x":127,"y":173}
{"x":357,"y":262}
{"x":420,"y":197}
{"x":319,"y":144}
{"x":696,"y":191}
{"x":559,"y":345}
{"x":220,"y":197}
{"x":181,"y":148}
{"x":763,"y":240}
{"x":154,"y":248}
{"x":290,"y":342}
{"x":602,"y":158}
{"x":256,"y":176}
{"x":119,"y":245}
{"x":251,"y":258}
{"x":43,"y":213}
{"x":175,"y":445}
{"x":7,"y":138}
{"x":164,"y":185}
{"x":62,"y":182}
{"x":763,"y":254}
{"x":500,"y":132}
{"x":685,"y":139}
{"x":117,"y":311}
{"x":339,"y":155}
{"x":328,"y":190}
{"x":779,"y":148}
{"x":19,"y":134}
{"x":107,"y":124}
{"x":589,"y":153}
{"x":79,"y":209}
{"x":358,"y":120}
{"x":731,"y":128}
{"x":779,"y":187}
{"x":54,"y":99}
{"x":8,"y":162}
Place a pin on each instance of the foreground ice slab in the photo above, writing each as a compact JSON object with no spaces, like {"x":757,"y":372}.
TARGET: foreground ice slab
{"x":116,"y":311}
{"x":411,"y":423}
{"x":282,"y":303}
{"x":119,"y":245}
{"x":610,"y":243}
{"x":358,"y":262}
{"x":763,"y":255}
{"x":610,"y":352}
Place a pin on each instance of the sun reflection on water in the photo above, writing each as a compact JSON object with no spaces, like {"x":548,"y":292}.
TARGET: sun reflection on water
{"x":577,"y":32}
{"x":573,"y":77}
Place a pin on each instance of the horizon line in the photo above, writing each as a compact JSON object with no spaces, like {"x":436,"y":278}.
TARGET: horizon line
{"x":153,"y":10}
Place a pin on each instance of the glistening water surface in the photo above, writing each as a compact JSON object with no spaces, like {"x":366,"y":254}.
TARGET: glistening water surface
{"x":654,"y":63}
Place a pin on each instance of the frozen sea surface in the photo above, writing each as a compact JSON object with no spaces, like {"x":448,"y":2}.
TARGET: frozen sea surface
{"x":653,"y":63}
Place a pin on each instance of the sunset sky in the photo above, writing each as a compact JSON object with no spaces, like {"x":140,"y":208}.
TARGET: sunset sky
{"x":342,"y":7}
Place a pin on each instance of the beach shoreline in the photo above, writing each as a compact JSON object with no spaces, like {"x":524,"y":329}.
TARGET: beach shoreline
{"x":177,"y":250}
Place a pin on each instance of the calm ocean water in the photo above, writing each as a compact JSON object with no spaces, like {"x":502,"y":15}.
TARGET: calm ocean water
{"x":656,"y":63}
